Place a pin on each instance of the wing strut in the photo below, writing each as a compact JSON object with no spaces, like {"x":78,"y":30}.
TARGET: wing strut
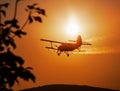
{"x":51,"y":44}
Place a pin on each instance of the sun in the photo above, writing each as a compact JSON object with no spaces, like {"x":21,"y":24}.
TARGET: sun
{"x":73,"y":27}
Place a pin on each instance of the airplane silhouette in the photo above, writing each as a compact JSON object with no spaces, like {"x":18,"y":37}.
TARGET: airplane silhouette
{"x":66,"y":47}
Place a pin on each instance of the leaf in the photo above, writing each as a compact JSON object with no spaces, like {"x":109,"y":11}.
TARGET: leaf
{"x":30,"y":6}
{"x":29,"y":75}
{"x":29,"y":68}
{"x":26,"y":10}
{"x":5,"y":32}
{"x":11,"y":81}
{"x":6,"y":5}
{"x":12,"y":43}
{"x":19,"y":33}
{"x":12,"y":22}
{"x":37,"y":18}
{"x":3,"y":12}
{"x":42,"y":11}
{"x":1,"y":48}
{"x":23,"y":33}
{"x":35,"y":4}
{"x":38,"y":8}
{"x":6,"y":42}
{"x":11,"y":78}
{"x":17,"y":81}
{"x":19,"y":60}
{"x":1,"y":24}
{"x":25,"y":74}
{"x":30,"y":19}
{"x":7,"y":22}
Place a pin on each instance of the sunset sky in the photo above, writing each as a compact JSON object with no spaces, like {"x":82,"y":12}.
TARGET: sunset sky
{"x":97,"y":21}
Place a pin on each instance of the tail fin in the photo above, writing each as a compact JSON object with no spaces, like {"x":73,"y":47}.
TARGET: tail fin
{"x":79,"y":40}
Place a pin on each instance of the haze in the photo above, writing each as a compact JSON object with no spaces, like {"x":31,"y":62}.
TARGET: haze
{"x":98,"y":22}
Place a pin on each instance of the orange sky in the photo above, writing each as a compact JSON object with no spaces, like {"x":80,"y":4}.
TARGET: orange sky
{"x":99,"y":22}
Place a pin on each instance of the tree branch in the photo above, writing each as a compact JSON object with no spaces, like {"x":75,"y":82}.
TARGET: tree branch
{"x":15,"y":13}
{"x":0,"y":14}
{"x":26,"y":21}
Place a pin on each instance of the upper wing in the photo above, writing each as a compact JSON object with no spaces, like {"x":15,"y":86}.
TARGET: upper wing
{"x":86,"y":43}
{"x":51,"y":41}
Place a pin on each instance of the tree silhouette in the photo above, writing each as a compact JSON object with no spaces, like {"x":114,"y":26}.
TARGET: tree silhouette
{"x":12,"y":66}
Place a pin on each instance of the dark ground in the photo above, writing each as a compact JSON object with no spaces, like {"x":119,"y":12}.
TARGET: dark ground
{"x":62,"y":87}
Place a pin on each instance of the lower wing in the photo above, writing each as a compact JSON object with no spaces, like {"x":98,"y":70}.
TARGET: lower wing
{"x":51,"y":48}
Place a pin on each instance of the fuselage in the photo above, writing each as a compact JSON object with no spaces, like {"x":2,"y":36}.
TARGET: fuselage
{"x":68,"y":47}
{"x":71,"y":46}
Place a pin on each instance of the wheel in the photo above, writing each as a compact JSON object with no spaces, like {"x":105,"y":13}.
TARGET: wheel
{"x":67,"y":54}
{"x":58,"y":54}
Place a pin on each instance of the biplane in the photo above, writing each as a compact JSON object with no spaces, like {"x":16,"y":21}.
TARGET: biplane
{"x":66,"y":47}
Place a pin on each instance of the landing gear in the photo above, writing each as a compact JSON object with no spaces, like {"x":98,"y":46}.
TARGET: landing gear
{"x":78,"y":49}
{"x":58,"y":54}
{"x":67,"y":54}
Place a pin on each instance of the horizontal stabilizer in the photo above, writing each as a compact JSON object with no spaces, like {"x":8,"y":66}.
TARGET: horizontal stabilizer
{"x":72,"y":40}
{"x":86,"y":43}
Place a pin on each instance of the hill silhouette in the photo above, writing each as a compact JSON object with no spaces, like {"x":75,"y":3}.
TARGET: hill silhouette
{"x":63,"y":87}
